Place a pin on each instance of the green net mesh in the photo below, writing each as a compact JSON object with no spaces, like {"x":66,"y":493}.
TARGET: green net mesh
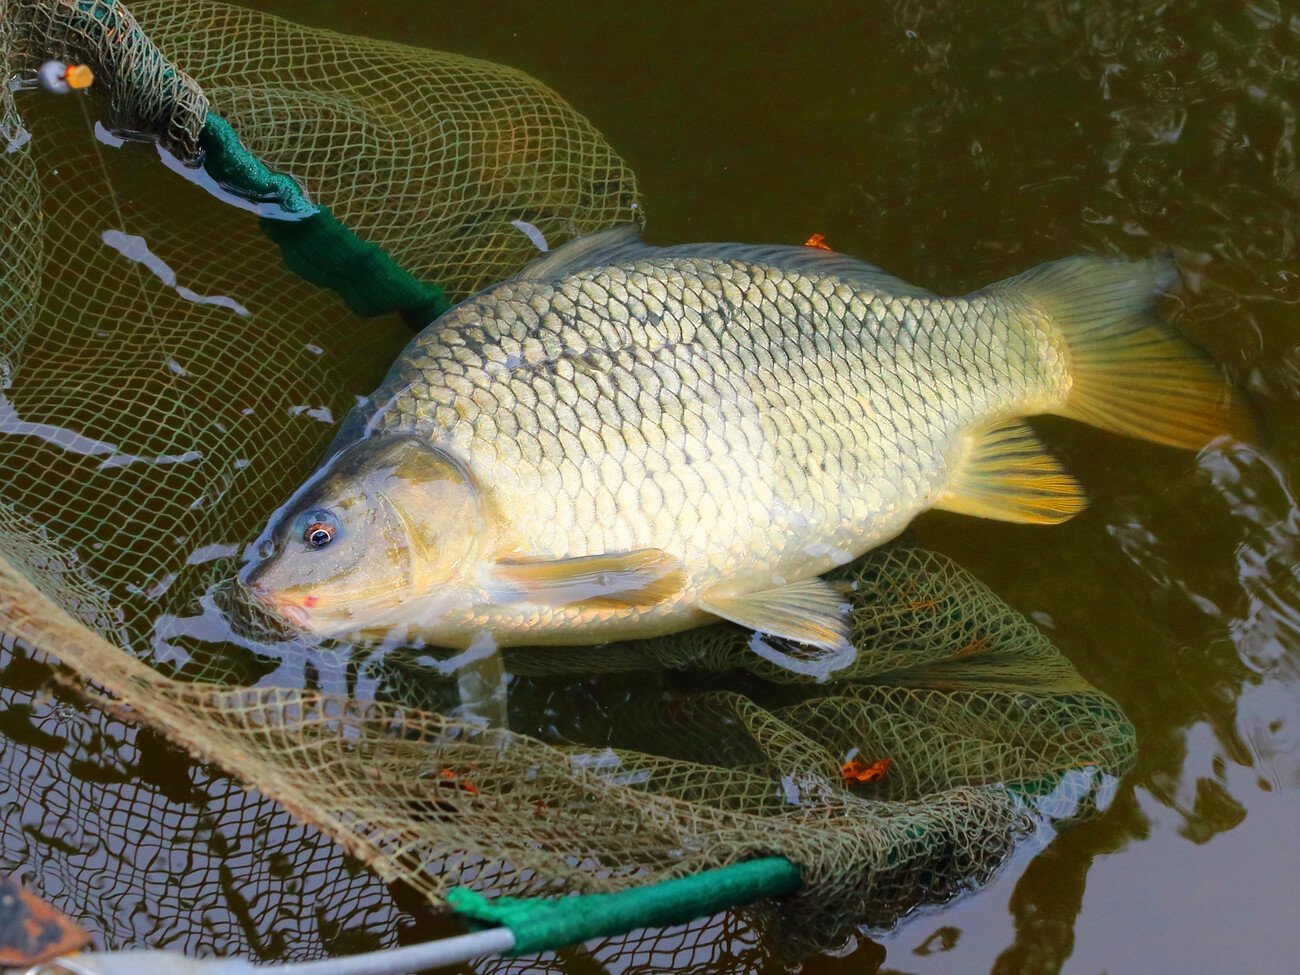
{"x":166,"y":381}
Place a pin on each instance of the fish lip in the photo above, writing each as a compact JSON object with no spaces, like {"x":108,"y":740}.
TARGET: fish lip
{"x":293,"y":613}
{"x":280,"y":606}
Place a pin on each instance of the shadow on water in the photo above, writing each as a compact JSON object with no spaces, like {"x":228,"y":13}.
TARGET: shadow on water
{"x":955,"y":148}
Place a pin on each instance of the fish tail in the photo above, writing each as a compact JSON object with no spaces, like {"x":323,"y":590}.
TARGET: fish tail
{"x":1130,"y":372}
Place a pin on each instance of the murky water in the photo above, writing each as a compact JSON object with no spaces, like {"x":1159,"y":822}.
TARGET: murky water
{"x":955,"y":144}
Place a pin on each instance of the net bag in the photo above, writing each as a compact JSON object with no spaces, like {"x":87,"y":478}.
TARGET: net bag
{"x":171,"y":371}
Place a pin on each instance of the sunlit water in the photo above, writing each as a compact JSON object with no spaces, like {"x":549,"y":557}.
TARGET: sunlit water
{"x":955,"y":144}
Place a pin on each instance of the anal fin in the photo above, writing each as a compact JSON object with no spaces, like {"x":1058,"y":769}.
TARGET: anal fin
{"x":638,"y":578}
{"x":812,"y":612}
{"x":1009,"y":475}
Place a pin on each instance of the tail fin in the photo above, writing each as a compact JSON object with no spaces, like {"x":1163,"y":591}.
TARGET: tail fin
{"x":1130,"y":372}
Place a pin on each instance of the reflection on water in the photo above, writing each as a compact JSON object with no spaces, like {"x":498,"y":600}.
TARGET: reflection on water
{"x":130,"y":832}
{"x":955,"y":148}
{"x":136,"y":248}
{"x":1266,"y":633}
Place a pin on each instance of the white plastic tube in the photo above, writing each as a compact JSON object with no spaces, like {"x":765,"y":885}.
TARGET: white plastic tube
{"x":412,"y":958}
{"x":394,"y":961}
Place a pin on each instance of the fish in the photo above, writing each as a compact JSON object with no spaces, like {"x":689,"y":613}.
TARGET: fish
{"x":624,"y":441}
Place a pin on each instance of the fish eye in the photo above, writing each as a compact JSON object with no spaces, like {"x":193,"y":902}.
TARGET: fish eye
{"x":319,"y":535}
{"x":265,"y":549}
{"x":321,"y":529}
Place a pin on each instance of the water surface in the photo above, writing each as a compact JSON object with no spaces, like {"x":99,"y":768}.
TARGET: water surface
{"x":957,"y":144}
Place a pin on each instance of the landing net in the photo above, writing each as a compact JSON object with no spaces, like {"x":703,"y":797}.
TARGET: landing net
{"x":167,"y":380}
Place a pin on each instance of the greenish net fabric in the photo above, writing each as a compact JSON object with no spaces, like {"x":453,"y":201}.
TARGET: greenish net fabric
{"x":315,"y":245}
{"x":352,"y":123}
{"x":166,"y":381}
{"x":426,"y":154}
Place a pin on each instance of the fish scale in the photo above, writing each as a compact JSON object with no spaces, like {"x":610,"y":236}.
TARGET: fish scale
{"x":625,"y":441}
{"x":804,"y":394}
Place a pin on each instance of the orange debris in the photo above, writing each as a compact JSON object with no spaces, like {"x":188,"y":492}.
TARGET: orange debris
{"x":856,"y":770}
{"x":451,"y":778}
{"x":31,"y":931}
{"x":79,"y":76}
{"x":818,"y":241}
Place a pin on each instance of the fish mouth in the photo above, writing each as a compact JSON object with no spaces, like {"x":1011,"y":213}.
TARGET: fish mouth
{"x":283,"y":606}
{"x":294,"y":613}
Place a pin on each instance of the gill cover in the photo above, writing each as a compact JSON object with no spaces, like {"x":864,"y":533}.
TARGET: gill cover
{"x":385,"y":520}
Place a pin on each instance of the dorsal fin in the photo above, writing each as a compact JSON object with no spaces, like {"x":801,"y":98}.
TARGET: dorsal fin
{"x":624,"y":242}
{"x":603,"y":247}
{"x":811,"y":260}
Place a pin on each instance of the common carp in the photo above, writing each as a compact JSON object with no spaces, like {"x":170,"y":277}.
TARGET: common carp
{"x":624,"y":441}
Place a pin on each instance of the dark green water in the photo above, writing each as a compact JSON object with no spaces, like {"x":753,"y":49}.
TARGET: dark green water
{"x":957,"y":144}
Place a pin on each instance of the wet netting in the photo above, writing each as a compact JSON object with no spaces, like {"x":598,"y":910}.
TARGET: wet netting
{"x":171,"y":371}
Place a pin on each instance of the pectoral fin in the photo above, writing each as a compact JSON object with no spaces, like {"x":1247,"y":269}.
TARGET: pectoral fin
{"x":639,"y":578}
{"x":1008,"y":474}
{"x":812,"y":612}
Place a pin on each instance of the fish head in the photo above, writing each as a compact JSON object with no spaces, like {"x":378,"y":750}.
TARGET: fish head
{"x":385,"y":525}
